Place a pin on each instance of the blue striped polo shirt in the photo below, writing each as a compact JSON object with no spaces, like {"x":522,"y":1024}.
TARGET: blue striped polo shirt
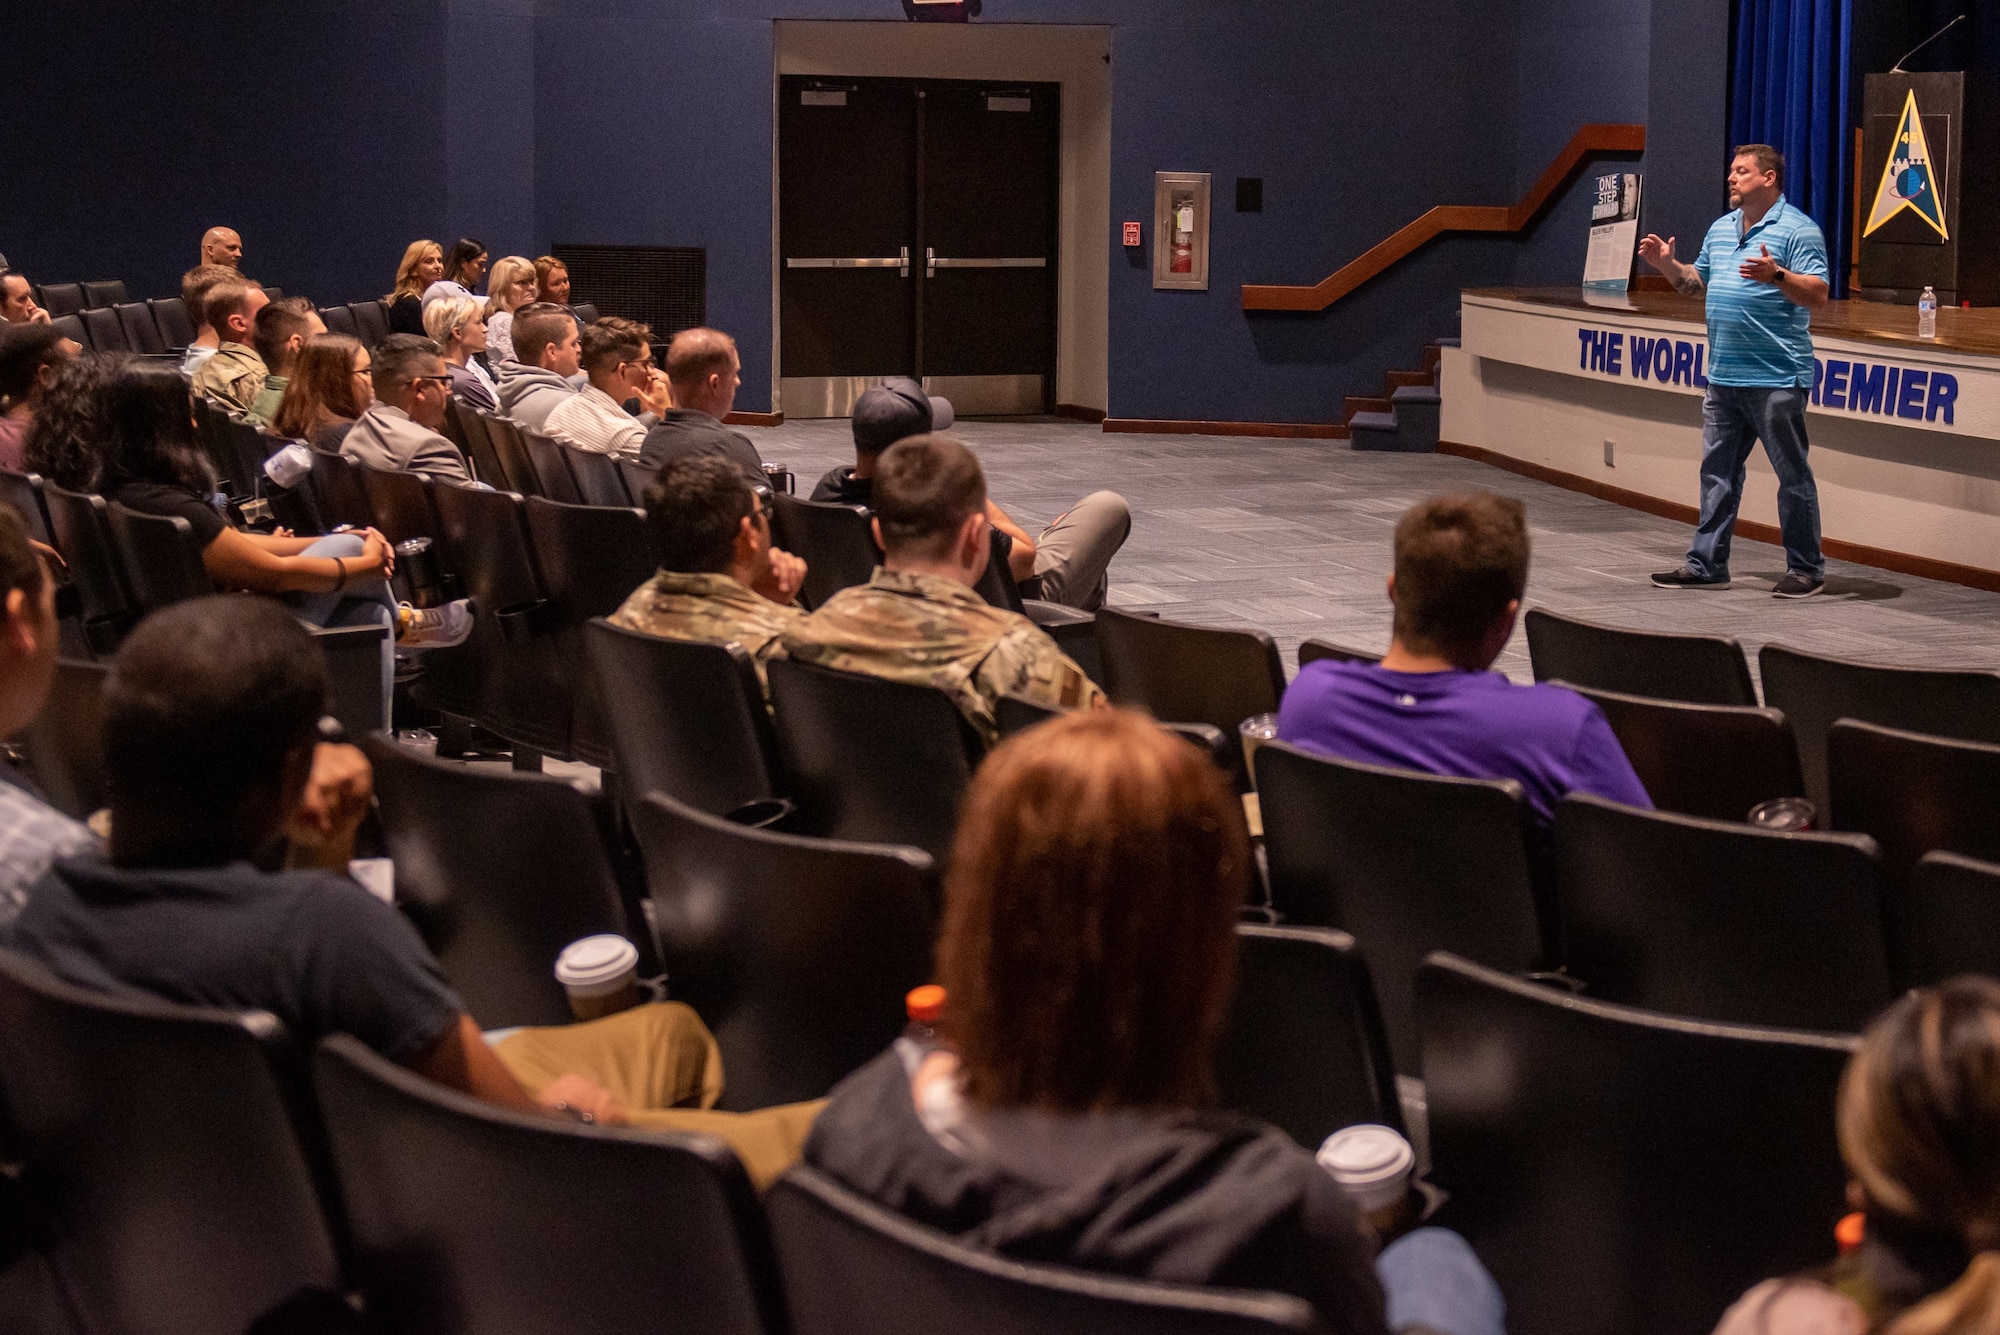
{"x":1755,"y":336}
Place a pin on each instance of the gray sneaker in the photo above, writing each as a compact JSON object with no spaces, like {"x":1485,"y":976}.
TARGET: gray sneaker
{"x":436,"y":627}
{"x":1797,"y":586}
{"x":1686,"y":578}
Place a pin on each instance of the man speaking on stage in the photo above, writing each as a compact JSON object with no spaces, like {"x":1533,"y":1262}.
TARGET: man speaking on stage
{"x":1763,"y":269}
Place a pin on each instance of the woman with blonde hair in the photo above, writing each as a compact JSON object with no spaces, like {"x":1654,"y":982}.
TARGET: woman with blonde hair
{"x":1088,"y":956}
{"x":1918,"y":1116}
{"x":331,"y":386}
{"x":458,"y":326}
{"x":510,"y":287}
{"x":423,"y":264}
{"x":552,"y":280}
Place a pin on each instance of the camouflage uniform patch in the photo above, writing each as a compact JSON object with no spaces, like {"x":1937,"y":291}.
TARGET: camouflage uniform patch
{"x":931,"y":631}
{"x":714,"y":609}
{"x":232,"y":377}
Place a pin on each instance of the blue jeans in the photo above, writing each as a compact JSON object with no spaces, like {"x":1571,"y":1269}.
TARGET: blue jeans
{"x":1431,"y":1279}
{"x":364,"y":602}
{"x":1733,"y":418}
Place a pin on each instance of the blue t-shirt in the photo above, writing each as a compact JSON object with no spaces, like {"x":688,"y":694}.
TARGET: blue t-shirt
{"x":1475,"y":725}
{"x":310,"y":947}
{"x":1755,"y":336}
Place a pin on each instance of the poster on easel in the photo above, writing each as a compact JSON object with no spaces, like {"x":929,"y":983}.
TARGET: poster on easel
{"x":1614,"y":234}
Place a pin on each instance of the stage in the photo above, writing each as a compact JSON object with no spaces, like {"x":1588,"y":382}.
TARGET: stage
{"x":1602,"y":394}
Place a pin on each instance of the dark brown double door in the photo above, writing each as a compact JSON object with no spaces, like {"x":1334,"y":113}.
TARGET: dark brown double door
{"x":917,"y":236}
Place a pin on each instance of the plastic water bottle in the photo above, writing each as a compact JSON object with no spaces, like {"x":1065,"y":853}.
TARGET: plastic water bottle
{"x":1927,"y":314}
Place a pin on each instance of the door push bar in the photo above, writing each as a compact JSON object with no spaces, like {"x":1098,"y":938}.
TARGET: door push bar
{"x":900,"y":263}
{"x":932,"y":263}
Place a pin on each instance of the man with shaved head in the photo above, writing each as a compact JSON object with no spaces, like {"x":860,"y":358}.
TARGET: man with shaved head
{"x":221,"y":245}
{"x":702,"y":367}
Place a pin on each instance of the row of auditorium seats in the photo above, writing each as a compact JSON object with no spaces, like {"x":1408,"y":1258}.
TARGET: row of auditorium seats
{"x":1620,"y":1177}
{"x":107,"y":322}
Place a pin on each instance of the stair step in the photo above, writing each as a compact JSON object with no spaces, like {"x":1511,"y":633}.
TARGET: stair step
{"x":1446,"y":342}
{"x":1433,"y":354}
{"x":1424,"y":393}
{"x":1395,"y":380}
{"x":1356,"y":404}
{"x":1372,"y":422}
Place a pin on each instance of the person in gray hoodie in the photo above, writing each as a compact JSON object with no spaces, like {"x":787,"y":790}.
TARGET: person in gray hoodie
{"x":549,"y":352}
{"x":400,"y":433}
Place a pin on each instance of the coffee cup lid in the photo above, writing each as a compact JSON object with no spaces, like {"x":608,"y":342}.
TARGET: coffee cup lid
{"x":1362,"y":1156}
{"x":596,"y":960}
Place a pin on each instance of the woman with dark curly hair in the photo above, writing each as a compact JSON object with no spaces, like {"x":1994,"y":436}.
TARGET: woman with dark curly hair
{"x":66,"y":443}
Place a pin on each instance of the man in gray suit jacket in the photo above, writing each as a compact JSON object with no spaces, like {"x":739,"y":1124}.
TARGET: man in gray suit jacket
{"x":400,"y":433}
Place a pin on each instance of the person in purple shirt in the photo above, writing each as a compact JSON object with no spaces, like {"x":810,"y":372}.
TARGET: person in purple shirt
{"x":1432,"y":704}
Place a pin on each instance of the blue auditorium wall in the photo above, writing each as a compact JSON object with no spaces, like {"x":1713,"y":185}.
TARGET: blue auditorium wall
{"x":331,"y":131}
{"x":314,"y":127}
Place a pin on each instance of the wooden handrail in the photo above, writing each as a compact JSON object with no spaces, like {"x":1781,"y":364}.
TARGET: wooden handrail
{"x":1448,"y":218}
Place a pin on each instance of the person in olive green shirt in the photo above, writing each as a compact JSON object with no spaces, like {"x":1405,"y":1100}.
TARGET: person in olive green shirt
{"x":720,"y":579}
{"x":919,"y":620}
{"x":233,"y":376}
{"x":282,"y":329}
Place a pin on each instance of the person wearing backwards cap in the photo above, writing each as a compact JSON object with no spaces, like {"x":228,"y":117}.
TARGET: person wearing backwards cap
{"x":1068,"y":564}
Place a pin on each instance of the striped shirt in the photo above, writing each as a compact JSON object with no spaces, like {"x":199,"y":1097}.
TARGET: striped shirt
{"x":592,"y":420}
{"x":1755,"y":336}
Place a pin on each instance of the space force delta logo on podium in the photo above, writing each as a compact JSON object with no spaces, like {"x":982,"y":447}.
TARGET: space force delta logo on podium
{"x":1909,"y":180}
{"x":1875,"y":388}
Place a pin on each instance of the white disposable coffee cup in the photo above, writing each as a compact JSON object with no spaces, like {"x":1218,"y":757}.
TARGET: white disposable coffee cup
{"x":601,"y":975}
{"x":1371,"y":1163}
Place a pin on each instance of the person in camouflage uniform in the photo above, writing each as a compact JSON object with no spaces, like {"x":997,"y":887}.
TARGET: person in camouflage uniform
{"x":720,"y":579}
{"x":918,"y":619}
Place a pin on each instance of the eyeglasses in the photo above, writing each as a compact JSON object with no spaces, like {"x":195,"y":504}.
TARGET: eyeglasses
{"x":444,"y":380}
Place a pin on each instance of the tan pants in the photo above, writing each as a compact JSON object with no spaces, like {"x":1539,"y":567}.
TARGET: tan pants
{"x":1073,"y":554}
{"x":661,"y":1062}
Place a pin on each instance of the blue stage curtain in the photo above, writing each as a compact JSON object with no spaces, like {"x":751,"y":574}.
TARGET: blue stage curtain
{"x":1789,"y":89}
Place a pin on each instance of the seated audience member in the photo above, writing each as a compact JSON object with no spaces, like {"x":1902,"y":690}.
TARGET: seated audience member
{"x":702,"y":368}
{"x":458,"y":326}
{"x":153,"y":464}
{"x":1088,"y":955}
{"x":196,"y":284}
{"x":65,"y":442}
{"x":552,"y":281}
{"x":422,"y":266}
{"x":619,"y":361}
{"x":234,"y":374}
{"x":510,"y":287}
{"x":464,"y":266}
{"x":1432,"y":704}
{"x":31,"y":356}
{"x":17,"y":300}
{"x":547,"y":353}
{"x":282,"y":329}
{"x":32,"y":833}
{"x":720,"y":579}
{"x":399,"y":434}
{"x":331,"y":386}
{"x":1070,"y":563}
{"x":214,"y":765}
{"x":918,"y":620}
{"x":1918,"y":1117}
{"x":221,"y":247}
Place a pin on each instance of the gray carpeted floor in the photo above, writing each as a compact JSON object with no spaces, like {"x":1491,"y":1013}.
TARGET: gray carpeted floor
{"x":1294,"y":536}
